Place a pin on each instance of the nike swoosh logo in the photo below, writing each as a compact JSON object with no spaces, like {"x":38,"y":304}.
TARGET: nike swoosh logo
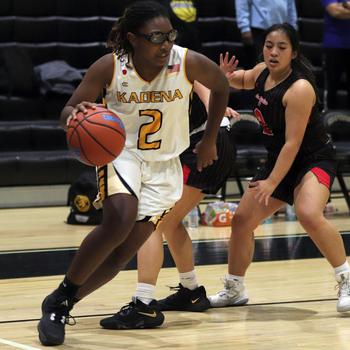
{"x":194,"y":301}
{"x":154,"y":314}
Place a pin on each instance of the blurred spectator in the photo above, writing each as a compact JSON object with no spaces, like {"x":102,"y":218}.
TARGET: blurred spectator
{"x":183,"y":16}
{"x":336,"y":41}
{"x":254,"y":16}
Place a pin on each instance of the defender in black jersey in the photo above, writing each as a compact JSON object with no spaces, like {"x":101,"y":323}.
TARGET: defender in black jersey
{"x":300,"y":167}
{"x":315,"y":153}
{"x":189,"y":296}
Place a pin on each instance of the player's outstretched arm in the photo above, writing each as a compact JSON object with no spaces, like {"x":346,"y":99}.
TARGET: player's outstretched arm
{"x":239,"y":79}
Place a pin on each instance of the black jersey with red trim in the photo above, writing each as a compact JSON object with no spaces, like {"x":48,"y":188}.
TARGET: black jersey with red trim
{"x":270,"y":112}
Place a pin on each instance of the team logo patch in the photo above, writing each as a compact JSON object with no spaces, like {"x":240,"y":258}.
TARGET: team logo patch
{"x":113,"y":119}
{"x":82,"y":203}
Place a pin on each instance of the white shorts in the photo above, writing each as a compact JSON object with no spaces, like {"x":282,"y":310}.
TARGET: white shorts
{"x":157,"y":185}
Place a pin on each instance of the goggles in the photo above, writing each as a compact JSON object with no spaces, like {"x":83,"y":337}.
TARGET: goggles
{"x":160,"y":37}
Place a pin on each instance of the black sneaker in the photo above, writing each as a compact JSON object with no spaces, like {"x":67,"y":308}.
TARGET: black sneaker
{"x":55,"y":315}
{"x":185,"y":300}
{"x":135,"y":315}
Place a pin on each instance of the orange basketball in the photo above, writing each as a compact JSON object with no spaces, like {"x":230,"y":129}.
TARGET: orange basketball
{"x":96,"y":138}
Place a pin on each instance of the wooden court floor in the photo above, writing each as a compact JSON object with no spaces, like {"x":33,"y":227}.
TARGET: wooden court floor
{"x":42,"y":228}
{"x":292,"y":306}
{"x":292,"y":302}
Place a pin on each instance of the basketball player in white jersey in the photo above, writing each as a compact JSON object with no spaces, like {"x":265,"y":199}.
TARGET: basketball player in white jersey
{"x":149,"y":81}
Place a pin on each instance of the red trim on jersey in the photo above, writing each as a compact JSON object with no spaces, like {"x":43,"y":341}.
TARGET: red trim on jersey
{"x":186,"y":173}
{"x":322,"y":176}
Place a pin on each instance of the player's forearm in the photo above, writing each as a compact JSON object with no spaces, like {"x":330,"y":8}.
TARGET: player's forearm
{"x":284,"y":162}
{"x":237,"y":80}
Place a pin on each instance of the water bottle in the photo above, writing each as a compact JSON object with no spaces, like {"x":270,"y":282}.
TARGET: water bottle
{"x":193,"y":218}
{"x":290,"y":213}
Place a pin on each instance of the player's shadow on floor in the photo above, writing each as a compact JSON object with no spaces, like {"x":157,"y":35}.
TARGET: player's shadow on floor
{"x":260,"y":313}
{"x":181,"y":321}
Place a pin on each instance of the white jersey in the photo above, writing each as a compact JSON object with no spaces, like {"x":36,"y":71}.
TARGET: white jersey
{"x":155,"y":113}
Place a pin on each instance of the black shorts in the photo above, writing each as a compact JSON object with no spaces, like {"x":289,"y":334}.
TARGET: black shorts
{"x":211,"y":178}
{"x":321,"y":163}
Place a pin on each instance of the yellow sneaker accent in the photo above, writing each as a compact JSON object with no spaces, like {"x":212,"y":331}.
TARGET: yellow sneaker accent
{"x":154,"y":314}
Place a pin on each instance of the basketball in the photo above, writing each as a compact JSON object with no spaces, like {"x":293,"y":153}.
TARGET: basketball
{"x":97,"y":137}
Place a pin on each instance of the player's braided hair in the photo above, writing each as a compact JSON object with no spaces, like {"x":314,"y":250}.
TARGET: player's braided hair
{"x":134,"y":17}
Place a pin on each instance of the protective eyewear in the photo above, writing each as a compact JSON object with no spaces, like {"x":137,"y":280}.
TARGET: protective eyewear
{"x":160,"y":37}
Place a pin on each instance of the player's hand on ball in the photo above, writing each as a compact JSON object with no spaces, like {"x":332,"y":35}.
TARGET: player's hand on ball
{"x":96,"y":137}
{"x":80,"y":107}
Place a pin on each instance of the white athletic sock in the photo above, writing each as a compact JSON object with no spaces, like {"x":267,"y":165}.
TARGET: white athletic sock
{"x":189,"y":279}
{"x":235,"y":278}
{"x":145,"y":292}
{"x":342,"y":268}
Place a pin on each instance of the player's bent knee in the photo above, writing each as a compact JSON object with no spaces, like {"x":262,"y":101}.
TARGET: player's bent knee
{"x":242,"y":224}
{"x":309,"y":219}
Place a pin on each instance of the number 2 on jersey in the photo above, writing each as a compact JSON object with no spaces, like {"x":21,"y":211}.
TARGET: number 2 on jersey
{"x":261,"y":120}
{"x":150,"y":128}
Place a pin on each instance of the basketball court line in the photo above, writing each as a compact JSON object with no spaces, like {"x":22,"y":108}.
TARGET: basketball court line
{"x":233,"y":307}
{"x":196,"y":240}
{"x":17,"y":345}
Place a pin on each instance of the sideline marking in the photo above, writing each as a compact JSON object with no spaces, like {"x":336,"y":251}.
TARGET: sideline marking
{"x":17,"y":345}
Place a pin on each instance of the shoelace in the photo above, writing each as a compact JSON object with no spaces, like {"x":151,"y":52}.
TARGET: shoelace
{"x":59,"y":311}
{"x":70,"y":318}
{"x":60,"y":314}
{"x":126,"y":309}
{"x":343,"y":287}
{"x":229,"y":287}
{"x":179,"y":291}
